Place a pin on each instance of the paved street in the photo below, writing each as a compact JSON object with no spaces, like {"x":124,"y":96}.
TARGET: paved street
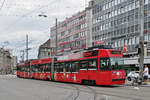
{"x":13,"y":88}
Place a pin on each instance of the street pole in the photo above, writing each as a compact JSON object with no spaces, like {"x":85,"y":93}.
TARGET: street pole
{"x":53,"y":58}
{"x":56,"y":38}
{"x":141,"y":42}
{"x":22,"y":58}
{"x":3,"y":51}
{"x":27,"y":48}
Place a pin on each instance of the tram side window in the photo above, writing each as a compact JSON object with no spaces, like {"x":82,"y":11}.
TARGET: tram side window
{"x":75,"y":66}
{"x":61,"y":67}
{"x":26,"y":69}
{"x":48,"y":68}
{"x":68,"y":66}
{"x":22,"y":69}
{"x":57,"y":67}
{"x":40,"y":69}
{"x":92,"y":63}
{"x":33,"y":68}
{"x":83,"y":64}
{"x":18,"y":68}
{"x":37,"y":68}
{"x":45,"y":68}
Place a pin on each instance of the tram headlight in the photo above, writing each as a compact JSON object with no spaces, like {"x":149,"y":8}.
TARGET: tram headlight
{"x":118,"y":73}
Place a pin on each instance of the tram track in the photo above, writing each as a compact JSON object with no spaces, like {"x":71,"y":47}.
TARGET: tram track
{"x":77,"y":92}
{"x":94,"y":92}
{"x":90,"y":89}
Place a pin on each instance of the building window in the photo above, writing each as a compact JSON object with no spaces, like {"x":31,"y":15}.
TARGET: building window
{"x":133,"y":40}
{"x":149,"y":24}
{"x":149,"y":37}
{"x":122,"y":42}
{"x":116,"y":2}
{"x":130,"y":41}
{"x":115,"y":43}
{"x":119,"y":42}
{"x":112,"y":3}
{"x":137,"y":3}
{"x":146,"y":38}
{"x":145,"y":25}
{"x":145,"y":1}
{"x":137,"y":40}
{"x":132,"y":28}
{"x":126,"y":42}
{"x":136,"y":27}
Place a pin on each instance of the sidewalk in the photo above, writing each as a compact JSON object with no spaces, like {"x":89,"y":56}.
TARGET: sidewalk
{"x":8,"y":76}
{"x":144,"y":84}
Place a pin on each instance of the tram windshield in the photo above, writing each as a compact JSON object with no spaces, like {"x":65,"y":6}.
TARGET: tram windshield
{"x":111,"y":63}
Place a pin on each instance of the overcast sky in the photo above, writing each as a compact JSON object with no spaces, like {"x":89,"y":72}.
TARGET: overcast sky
{"x":20,"y":17}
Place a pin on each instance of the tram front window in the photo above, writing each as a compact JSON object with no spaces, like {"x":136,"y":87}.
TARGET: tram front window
{"x":112,"y":63}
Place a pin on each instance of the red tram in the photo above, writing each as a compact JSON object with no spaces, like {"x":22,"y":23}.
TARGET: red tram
{"x":100,"y":67}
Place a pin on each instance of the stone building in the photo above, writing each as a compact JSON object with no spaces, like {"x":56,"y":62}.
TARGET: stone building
{"x":44,"y":50}
{"x":7,"y":61}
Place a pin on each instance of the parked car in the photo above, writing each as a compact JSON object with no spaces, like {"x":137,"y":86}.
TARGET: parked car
{"x":133,"y":74}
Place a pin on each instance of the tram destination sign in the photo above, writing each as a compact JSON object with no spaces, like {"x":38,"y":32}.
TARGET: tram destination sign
{"x":90,"y":53}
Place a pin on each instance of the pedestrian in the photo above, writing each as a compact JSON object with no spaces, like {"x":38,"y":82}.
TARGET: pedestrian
{"x":145,"y":73}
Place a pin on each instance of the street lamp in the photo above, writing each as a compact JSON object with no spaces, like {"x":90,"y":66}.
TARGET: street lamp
{"x":42,"y":15}
{"x":53,"y":57}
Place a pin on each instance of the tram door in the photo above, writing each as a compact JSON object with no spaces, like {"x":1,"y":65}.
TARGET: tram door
{"x":105,"y":71}
{"x":83,"y":70}
{"x":92,"y":69}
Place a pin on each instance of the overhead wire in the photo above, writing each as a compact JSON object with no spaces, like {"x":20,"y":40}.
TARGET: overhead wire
{"x":2,"y":4}
{"x":24,"y":15}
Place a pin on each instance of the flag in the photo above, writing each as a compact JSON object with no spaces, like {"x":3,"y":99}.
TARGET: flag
{"x":125,"y":48}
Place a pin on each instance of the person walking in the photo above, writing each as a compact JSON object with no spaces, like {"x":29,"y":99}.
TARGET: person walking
{"x":145,"y":73}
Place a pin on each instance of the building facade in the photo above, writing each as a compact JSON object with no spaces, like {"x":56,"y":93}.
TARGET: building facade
{"x":44,"y":50}
{"x":117,"y":23}
{"x":7,"y":62}
{"x":14,"y":64}
{"x":74,"y":33}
